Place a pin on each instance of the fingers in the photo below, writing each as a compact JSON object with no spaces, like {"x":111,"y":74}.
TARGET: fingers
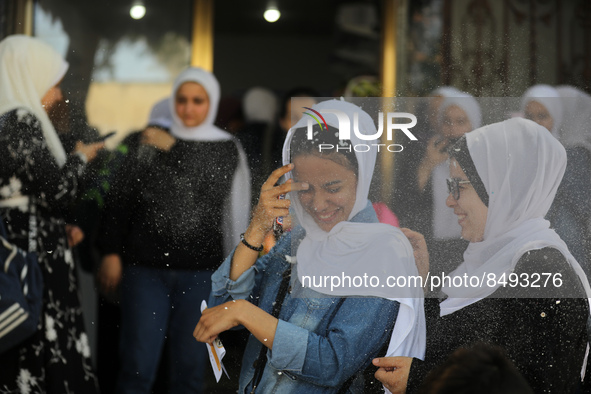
{"x":158,"y":138}
{"x":199,"y":327}
{"x":74,"y":234}
{"x":385,"y":362}
{"x":270,"y":205}
{"x":385,"y":377}
{"x":216,"y":320}
{"x":110,"y":273}
{"x":108,"y":282}
{"x":96,"y":146}
{"x":275,"y":175}
{"x":286,"y":187}
{"x":149,"y":135}
{"x":393,"y":372}
{"x":414,"y":237}
{"x":202,"y":332}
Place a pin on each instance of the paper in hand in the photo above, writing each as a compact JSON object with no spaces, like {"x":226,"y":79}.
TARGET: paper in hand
{"x":216,"y":353}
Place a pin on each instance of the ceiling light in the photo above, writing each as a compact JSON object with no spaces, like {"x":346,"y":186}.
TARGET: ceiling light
{"x":138,"y":10}
{"x":272,"y":14}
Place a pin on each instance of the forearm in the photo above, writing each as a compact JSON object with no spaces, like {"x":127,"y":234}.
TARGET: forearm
{"x":260,"y":324}
{"x":224,"y":288}
{"x":228,"y":315}
{"x":244,"y":257}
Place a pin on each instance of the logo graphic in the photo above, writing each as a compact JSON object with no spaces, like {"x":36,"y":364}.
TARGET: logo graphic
{"x":345,"y":128}
{"x":315,"y":118}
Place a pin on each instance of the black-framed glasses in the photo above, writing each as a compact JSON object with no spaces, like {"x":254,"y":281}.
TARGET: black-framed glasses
{"x":453,"y":187}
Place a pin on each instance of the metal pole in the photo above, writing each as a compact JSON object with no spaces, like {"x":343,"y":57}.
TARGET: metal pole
{"x":388,"y":79}
{"x":202,"y":39}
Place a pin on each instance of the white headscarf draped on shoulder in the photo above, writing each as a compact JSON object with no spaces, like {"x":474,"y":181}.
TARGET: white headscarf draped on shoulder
{"x":520,"y":165}
{"x":238,"y":202}
{"x":355,"y":249}
{"x":550,"y":99}
{"x":28,"y":69}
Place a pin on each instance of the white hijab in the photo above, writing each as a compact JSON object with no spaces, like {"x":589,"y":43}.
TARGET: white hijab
{"x":521,"y":166}
{"x":160,"y":114}
{"x":467,"y":103}
{"x":445,"y":91}
{"x":238,"y":202}
{"x":357,"y":248}
{"x":550,"y":99}
{"x":259,"y":105}
{"x":576,"y":126}
{"x":445,"y":223}
{"x":28,"y":69}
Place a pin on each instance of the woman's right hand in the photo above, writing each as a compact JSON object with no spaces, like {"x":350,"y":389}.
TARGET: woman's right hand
{"x":109,"y":273}
{"x":393,"y":372}
{"x":269,"y":205}
{"x":89,"y":150}
{"x":421,"y":253}
{"x":268,"y":208}
{"x":435,"y":154}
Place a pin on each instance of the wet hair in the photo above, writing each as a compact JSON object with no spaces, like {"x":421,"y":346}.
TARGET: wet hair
{"x":341,"y":151}
{"x":482,"y":368}
{"x":460,"y":152}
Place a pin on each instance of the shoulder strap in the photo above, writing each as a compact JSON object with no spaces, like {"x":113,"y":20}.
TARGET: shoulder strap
{"x":261,"y":361}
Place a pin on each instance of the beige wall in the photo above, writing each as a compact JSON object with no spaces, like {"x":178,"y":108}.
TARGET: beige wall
{"x":122,"y":107}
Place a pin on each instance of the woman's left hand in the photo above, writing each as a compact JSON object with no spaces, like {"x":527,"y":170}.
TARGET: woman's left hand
{"x":393,"y":372}
{"x":218,"y":319}
{"x":157,"y":138}
{"x":421,"y":253}
{"x":74,"y":234}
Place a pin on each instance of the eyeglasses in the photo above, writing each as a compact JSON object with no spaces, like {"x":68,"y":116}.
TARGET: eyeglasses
{"x":453,"y":187}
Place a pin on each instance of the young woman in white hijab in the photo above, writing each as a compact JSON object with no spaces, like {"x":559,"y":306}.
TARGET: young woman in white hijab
{"x":503,"y":179}
{"x":168,"y":231}
{"x":543,"y":105}
{"x":38,"y":180}
{"x":421,"y":189}
{"x":309,"y":337}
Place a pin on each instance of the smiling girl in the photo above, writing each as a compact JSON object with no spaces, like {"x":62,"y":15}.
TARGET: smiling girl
{"x":305,"y":340}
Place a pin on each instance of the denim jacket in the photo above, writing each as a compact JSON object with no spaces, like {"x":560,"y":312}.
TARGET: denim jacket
{"x":320,"y":341}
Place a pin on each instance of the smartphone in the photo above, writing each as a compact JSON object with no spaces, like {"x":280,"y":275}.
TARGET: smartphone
{"x":104,"y":137}
{"x":278,"y":224}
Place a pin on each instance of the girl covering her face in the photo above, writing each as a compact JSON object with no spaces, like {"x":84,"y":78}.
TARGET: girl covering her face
{"x":317,"y":340}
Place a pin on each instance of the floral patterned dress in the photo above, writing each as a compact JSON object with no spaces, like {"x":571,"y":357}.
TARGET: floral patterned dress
{"x":34,"y":192}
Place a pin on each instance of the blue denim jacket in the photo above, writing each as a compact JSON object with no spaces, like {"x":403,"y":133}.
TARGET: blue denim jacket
{"x":320,"y":341}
